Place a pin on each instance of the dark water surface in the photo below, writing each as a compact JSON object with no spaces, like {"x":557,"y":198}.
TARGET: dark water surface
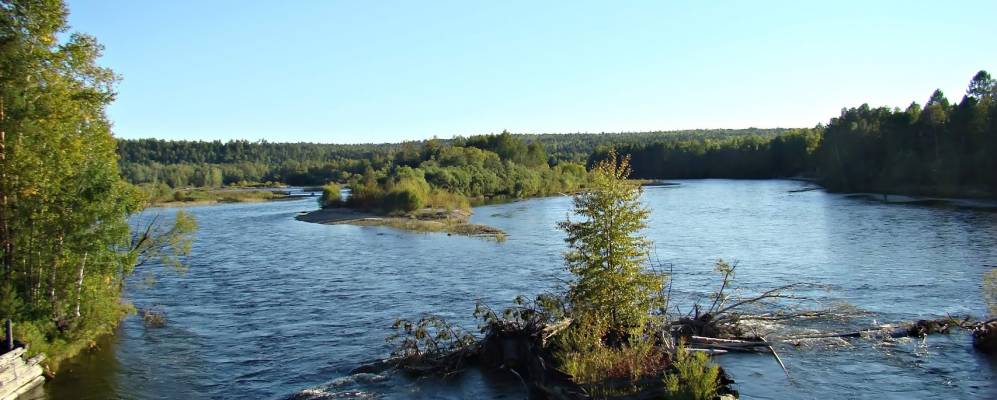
{"x":272,"y":306}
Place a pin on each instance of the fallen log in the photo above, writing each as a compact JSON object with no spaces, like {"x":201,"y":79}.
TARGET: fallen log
{"x":377,"y":366}
{"x":823,"y":336}
{"x":11,"y":357}
{"x":727,"y":342}
{"x":919,"y":328}
{"x":552,"y":330}
{"x":711,"y":352}
{"x":777,"y":358}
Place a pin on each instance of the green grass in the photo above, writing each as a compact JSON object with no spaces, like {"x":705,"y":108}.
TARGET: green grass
{"x":447,"y":226}
{"x":219,"y":196}
{"x":45,"y":337}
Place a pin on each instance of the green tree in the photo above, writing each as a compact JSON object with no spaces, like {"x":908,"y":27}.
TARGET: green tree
{"x":331,"y":196}
{"x":982,"y":86}
{"x":608,"y":253}
{"x":65,"y":242}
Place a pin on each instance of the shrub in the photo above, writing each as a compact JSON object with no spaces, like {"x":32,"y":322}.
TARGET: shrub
{"x":404,"y":199}
{"x":606,"y":370}
{"x":365,"y":195}
{"x":447,"y":200}
{"x":331,"y":196}
{"x":694,"y":377}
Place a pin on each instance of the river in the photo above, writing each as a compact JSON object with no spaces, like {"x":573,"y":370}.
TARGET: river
{"x":272,"y":307}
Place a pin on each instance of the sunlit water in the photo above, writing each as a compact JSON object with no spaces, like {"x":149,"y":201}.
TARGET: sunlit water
{"x":273,"y":307}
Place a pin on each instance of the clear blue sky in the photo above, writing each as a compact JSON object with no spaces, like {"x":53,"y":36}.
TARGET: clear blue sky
{"x":376,"y":71}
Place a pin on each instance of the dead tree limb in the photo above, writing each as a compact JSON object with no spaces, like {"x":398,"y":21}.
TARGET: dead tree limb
{"x":770,"y":294}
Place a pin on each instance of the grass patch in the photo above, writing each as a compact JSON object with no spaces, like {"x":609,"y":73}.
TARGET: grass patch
{"x":426,"y":226}
{"x":59,"y":343}
{"x":210,"y":196}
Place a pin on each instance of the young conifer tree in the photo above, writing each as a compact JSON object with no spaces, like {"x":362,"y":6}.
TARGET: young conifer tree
{"x":608,"y":254}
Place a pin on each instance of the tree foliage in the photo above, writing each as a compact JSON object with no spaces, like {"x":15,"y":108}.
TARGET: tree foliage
{"x":331,"y":196}
{"x":608,"y":254}
{"x":940,"y":149}
{"x":189,"y":163}
{"x":65,"y":242}
{"x":740,"y":157}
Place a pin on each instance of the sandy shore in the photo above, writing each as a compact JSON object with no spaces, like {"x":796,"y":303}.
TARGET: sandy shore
{"x":425,"y":220}
{"x":331,"y":216}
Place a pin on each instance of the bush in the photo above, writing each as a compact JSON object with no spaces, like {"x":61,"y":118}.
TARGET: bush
{"x":331,"y":196}
{"x":694,"y":377}
{"x":365,"y":195}
{"x":404,"y":199}
{"x":604,"y":370}
{"x":446,"y":200}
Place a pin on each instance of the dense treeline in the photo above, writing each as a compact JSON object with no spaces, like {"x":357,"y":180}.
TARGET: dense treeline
{"x":579,"y":146}
{"x":788,"y":154}
{"x":65,"y":242}
{"x":212,"y":164}
{"x":940,"y":149}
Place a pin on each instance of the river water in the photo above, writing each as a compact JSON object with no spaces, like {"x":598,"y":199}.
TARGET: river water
{"x":272,"y":307}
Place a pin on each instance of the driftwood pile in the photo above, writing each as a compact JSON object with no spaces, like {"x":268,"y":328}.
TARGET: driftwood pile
{"x":17,"y":375}
{"x":518,"y":342}
{"x":985,"y":336}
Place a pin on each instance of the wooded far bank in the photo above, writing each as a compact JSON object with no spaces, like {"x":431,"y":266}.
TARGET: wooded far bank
{"x":939,"y":148}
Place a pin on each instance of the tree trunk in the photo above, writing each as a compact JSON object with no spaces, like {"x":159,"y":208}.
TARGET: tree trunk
{"x":5,"y":243}
{"x":55,"y":270}
{"x":79,"y":284}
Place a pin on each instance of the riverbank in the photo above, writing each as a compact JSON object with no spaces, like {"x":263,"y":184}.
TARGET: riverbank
{"x":199,"y":197}
{"x":454,"y":222}
{"x":975,"y":203}
{"x":980,"y":200}
{"x":975,"y":192}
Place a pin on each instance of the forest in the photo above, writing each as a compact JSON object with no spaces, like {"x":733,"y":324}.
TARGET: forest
{"x":936,"y":149}
{"x":212,"y":164}
{"x":789,"y":154}
{"x":939,"y":148}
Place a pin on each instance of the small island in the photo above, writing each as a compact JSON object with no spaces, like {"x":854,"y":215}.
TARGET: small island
{"x":431,"y":189}
{"x":423,"y":220}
